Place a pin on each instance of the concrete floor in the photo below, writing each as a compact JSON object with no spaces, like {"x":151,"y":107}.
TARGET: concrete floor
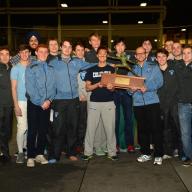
{"x":98,"y":175}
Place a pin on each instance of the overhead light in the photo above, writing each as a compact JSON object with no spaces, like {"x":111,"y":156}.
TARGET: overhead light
{"x":183,"y":29}
{"x":140,"y":22}
{"x":104,"y":22}
{"x":155,"y":40}
{"x":112,"y":40}
{"x":143,"y":4}
{"x":64,"y":5}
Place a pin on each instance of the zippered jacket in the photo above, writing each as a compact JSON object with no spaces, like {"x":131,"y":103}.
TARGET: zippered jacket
{"x":40,"y":82}
{"x":184,"y":80}
{"x":169,"y":91}
{"x":153,"y":81}
{"x":5,"y":86}
{"x":66,"y":76}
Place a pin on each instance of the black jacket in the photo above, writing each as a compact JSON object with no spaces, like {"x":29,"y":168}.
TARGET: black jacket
{"x":5,"y":86}
{"x":184,"y":79}
{"x":91,"y":56}
{"x":168,"y":92}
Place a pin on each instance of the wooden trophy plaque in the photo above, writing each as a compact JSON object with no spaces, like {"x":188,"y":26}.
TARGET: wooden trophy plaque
{"x":122,"y":81}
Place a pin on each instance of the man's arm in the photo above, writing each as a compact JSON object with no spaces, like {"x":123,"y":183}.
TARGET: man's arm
{"x":15,"y":100}
{"x":91,"y":87}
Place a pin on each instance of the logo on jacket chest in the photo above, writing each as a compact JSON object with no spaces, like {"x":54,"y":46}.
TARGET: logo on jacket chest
{"x":171,"y":72}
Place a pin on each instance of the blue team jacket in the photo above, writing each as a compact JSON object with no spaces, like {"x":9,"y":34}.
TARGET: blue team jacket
{"x":66,"y":76}
{"x":153,"y":81}
{"x":40,"y":82}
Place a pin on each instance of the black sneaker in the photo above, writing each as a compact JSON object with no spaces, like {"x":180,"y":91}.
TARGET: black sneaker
{"x":113,"y":158}
{"x":87,"y":157}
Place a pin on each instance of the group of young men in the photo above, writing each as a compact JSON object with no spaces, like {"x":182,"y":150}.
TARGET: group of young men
{"x":61,"y":105}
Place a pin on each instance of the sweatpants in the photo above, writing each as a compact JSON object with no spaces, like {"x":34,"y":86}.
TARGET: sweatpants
{"x":22,"y":127}
{"x":104,"y":111}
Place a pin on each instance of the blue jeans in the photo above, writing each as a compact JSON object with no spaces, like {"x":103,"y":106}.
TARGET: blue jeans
{"x":185,"y":119}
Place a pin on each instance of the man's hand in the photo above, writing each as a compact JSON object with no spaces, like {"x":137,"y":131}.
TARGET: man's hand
{"x":110,"y":87}
{"x":18,"y":111}
{"x":143,"y":89}
{"x":133,"y":89}
{"x":99,"y":85}
{"x":82,"y":98}
{"x":112,"y":65}
{"x":46,"y":105}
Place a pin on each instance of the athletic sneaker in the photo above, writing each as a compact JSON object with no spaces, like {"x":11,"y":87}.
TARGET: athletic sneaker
{"x":144,"y":158}
{"x":158,"y":161}
{"x":30,"y":162}
{"x":113,"y":158}
{"x":87,"y":157}
{"x":130,"y":149}
{"x":20,"y":158}
{"x":166,"y":156}
{"x":41,"y":159}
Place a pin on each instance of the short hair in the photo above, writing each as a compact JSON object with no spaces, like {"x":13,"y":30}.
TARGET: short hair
{"x":162,"y":50}
{"x":79,"y":44}
{"x":187,"y":46}
{"x":102,"y":48}
{"x":95,"y":34}
{"x":52,"y":39}
{"x":23,"y":47}
{"x":119,"y":40}
{"x":41,"y":46}
{"x":5,"y":47}
{"x":67,"y":40}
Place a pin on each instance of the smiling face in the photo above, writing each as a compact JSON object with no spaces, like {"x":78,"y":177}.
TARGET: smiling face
{"x":140,"y":55}
{"x":102,"y":55}
{"x":95,"y":42}
{"x":24,"y":55}
{"x":66,"y":49}
{"x":120,"y":48}
{"x":147,"y":46}
{"x":53,"y":47}
{"x":33,"y":42}
{"x":187,"y":55}
{"x":177,"y":50}
{"x":4,"y":56}
{"x":80,"y":51}
{"x":161,"y":59}
{"x":42,"y":53}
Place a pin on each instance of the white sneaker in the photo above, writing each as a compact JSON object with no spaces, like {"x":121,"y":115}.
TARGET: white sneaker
{"x":41,"y":159}
{"x":30,"y":162}
{"x":167,"y":157}
{"x":144,"y":158}
{"x":158,"y":161}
